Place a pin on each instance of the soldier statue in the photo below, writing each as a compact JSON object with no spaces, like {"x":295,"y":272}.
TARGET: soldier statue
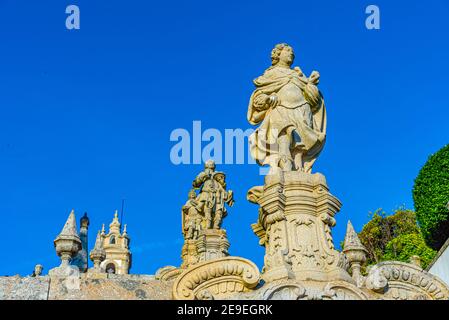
{"x":212,"y":196}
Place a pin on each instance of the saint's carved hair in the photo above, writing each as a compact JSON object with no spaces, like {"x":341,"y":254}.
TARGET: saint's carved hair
{"x":276,"y":52}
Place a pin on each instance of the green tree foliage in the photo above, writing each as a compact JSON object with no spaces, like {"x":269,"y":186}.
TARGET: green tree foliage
{"x":384,"y":237}
{"x":431,"y":196}
{"x":405,"y":246}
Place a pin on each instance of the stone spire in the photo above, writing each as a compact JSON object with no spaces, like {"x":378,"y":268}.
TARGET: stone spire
{"x":98,"y":254}
{"x":69,"y":229}
{"x":351,"y":239}
{"x":67,"y":245}
{"x":355,"y":253}
{"x":98,"y":242}
{"x":114,"y":227}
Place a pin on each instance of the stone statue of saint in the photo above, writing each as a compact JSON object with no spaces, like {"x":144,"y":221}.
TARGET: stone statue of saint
{"x":291,"y":113}
{"x":191,"y":217}
{"x":213,"y":195}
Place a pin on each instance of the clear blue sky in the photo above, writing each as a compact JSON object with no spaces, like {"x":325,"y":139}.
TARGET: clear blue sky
{"x":86,"y":115}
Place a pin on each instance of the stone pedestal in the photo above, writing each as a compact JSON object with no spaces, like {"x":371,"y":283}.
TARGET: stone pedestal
{"x":295,"y":219}
{"x":64,"y":271}
{"x":211,"y":244}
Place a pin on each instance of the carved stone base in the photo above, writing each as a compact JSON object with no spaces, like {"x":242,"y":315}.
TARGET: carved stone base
{"x":296,"y":215}
{"x":69,"y":275}
{"x":211,"y":244}
{"x":295,"y":220}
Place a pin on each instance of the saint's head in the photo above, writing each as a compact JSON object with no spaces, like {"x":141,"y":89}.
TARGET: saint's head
{"x":210,"y":164}
{"x":221,"y":179}
{"x":282,"y":54}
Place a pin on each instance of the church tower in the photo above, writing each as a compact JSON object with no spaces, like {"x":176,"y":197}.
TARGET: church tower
{"x":116,"y":246}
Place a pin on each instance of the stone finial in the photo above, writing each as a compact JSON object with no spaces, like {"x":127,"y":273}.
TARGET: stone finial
{"x":354,"y":251}
{"x":70,"y":226}
{"x":351,"y":239}
{"x":67,"y":245}
{"x":68,"y":242}
{"x":103,"y":232}
{"x":125,"y":233}
{"x":98,"y":242}
{"x":84,"y":221}
{"x":114,"y":227}
{"x":98,"y":254}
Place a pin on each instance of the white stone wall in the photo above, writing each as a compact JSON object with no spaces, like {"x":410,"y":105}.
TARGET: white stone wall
{"x":440,"y":268}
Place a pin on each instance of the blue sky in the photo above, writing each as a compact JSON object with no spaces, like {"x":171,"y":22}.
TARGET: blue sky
{"x":86,"y":115}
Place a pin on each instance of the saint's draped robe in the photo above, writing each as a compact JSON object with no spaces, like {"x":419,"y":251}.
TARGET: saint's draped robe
{"x":299,"y":113}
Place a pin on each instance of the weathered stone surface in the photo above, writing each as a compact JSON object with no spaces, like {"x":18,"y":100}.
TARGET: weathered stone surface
{"x":114,"y":287}
{"x":86,"y":287}
{"x":296,"y":215}
{"x":26,"y":288}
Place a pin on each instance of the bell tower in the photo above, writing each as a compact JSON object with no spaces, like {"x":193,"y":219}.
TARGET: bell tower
{"x":116,"y":247}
